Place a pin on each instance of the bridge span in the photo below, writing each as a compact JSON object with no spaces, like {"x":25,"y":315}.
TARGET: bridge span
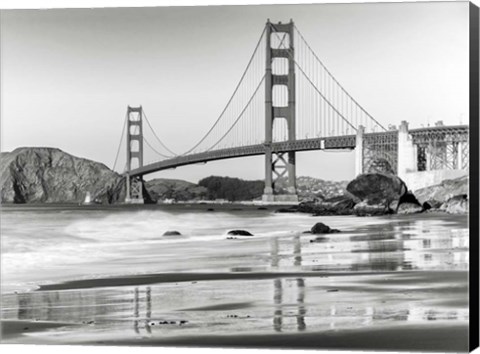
{"x":285,"y":102}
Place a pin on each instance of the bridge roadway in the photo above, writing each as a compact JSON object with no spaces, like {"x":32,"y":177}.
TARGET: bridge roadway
{"x":326,"y":143}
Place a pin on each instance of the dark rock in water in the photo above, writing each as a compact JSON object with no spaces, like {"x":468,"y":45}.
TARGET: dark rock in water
{"x":321,"y":228}
{"x":239,"y":233}
{"x":262,"y":208}
{"x":172,"y":233}
{"x":365,"y":209}
{"x":458,"y":204}
{"x":49,"y":175}
{"x":210,"y":209}
{"x":409,"y":208}
{"x":292,"y":209}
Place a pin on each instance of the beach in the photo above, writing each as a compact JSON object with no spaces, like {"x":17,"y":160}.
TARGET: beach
{"x":382,"y":283}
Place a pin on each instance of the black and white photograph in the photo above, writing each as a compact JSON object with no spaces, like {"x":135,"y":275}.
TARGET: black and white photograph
{"x":268,"y":176}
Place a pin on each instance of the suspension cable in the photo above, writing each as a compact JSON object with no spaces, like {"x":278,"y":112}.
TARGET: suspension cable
{"x":240,"y":115}
{"x":336,"y":81}
{"x":314,"y":86}
{"x":156,"y":136}
{"x":231,"y":98}
{"x":120,"y":143}
{"x":156,"y":151}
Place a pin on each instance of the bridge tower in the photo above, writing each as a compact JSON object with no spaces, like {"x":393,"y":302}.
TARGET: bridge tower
{"x":134,"y":193}
{"x":278,"y":164}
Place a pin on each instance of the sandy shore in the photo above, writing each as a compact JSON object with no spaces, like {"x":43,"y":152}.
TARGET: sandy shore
{"x":385,"y":284}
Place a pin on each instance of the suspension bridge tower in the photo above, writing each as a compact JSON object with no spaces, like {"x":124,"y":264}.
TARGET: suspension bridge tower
{"x":134,"y":192}
{"x":277,"y":164}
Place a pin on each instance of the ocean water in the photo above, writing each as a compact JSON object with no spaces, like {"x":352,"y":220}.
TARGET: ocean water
{"x":50,"y":244}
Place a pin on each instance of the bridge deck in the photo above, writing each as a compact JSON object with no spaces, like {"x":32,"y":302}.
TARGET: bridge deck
{"x":330,"y":143}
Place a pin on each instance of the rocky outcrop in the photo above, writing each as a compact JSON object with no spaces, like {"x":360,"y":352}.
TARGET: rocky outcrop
{"x":161,"y":189}
{"x":409,"y":208}
{"x":456,"y":205}
{"x":49,"y":175}
{"x":340,"y":205}
{"x":442,"y":192}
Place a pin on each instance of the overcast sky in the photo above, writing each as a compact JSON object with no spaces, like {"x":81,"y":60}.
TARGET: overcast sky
{"x":67,"y":76}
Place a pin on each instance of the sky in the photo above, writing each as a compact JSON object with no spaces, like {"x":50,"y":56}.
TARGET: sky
{"x":67,"y":75}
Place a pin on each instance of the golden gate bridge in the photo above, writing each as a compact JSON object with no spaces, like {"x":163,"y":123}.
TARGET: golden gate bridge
{"x":287,"y":101}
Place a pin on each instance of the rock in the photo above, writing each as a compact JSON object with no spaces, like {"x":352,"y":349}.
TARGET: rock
{"x":409,"y":208}
{"x":408,"y":204}
{"x":340,"y":205}
{"x":321,"y":228}
{"x":239,"y":233}
{"x":456,"y":205}
{"x":408,"y":198}
{"x":431,"y":204}
{"x":365,"y":209}
{"x":49,"y":175}
{"x":393,"y":206}
{"x":171,"y":233}
{"x":443,"y":191}
{"x":377,"y":188}
{"x":210,"y":209}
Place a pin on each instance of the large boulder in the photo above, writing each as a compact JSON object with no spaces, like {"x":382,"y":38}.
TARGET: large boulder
{"x":49,"y":175}
{"x":378,"y":192}
{"x":456,"y":205}
{"x":377,"y":187}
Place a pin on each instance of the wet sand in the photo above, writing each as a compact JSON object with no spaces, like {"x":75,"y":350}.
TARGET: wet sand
{"x":423,"y":311}
{"x":393,"y":285}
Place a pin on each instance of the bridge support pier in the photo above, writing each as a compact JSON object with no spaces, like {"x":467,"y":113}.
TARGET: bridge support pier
{"x":406,"y":152}
{"x":134,"y":190}
{"x":134,"y":186}
{"x":279,"y":165}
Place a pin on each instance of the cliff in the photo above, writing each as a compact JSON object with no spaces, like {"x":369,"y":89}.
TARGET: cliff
{"x":49,"y":175}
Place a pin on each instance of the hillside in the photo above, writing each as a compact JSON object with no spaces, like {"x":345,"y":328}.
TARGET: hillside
{"x":311,"y":188}
{"x":174,"y":189}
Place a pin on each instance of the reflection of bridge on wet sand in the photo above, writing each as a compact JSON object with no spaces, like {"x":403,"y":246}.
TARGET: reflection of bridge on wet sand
{"x":297,"y":293}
